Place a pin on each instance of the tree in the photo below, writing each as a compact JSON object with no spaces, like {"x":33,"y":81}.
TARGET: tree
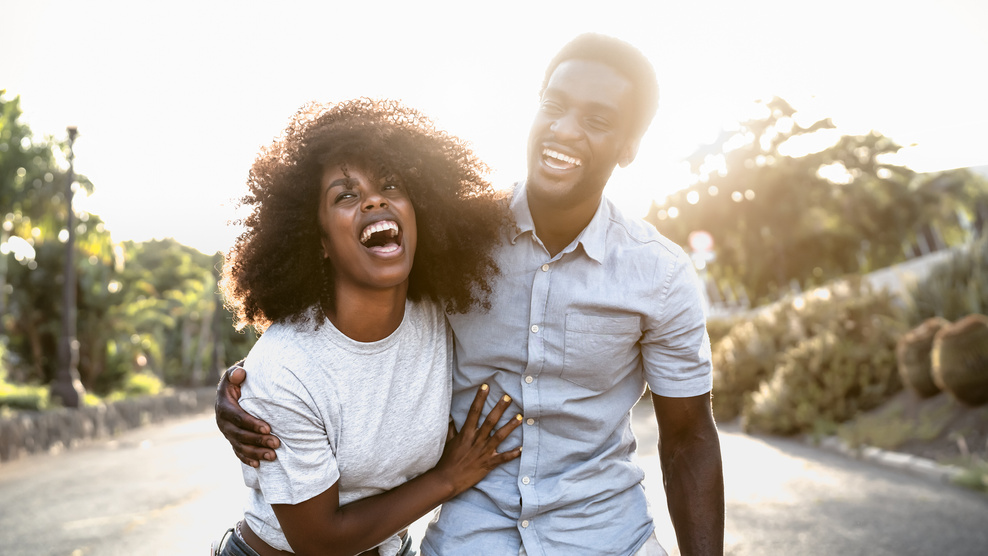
{"x":142,"y":307}
{"x":33,"y":192}
{"x":779,"y":217}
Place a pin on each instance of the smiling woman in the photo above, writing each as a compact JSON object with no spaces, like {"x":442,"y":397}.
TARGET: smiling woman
{"x":367,"y":226}
{"x":332,"y":156}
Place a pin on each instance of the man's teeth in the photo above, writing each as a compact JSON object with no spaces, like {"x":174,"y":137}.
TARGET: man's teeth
{"x":382,"y":226}
{"x":561,"y":157}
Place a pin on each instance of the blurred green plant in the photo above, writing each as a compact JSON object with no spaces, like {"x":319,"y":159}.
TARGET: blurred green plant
{"x":845,"y":365}
{"x":912,"y":353}
{"x":142,"y":307}
{"x":810,"y":362}
{"x":960,"y":360}
{"x":791,"y":202}
{"x":954,"y":288}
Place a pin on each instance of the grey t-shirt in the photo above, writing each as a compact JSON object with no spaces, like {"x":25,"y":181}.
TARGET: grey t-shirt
{"x":369,"y":415}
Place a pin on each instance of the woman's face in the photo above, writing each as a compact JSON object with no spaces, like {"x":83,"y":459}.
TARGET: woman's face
{"x":368,"y":228}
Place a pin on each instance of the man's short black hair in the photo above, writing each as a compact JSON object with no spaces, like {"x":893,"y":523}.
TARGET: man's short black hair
{"x":624,"y":58}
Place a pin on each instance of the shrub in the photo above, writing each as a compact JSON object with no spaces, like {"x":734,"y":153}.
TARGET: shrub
{"x":955,"y":288}
{"x":912,"y":352}
{"x":22,"y":397}
{"x":719,"y":327}
{"x":845,"y":363}
{"x":138,"y":384}
{"x":960,"y":360}
{"x":741,"y":360}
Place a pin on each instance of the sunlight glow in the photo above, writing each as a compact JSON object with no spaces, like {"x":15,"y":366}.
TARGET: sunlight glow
{"x":185,"y":149}
{"x":835,"y":173}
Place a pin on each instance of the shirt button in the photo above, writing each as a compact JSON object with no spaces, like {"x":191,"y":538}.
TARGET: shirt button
{"x":535,"y":328}
{"x":530,"y":421}
{"x":529,"y":379}
{"x":545,"y":268}
{"x":524,"y":524}
{"x":525,"y":480}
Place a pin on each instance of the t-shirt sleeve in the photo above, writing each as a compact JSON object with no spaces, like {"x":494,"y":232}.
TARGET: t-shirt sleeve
{"x":675,"y":346}
{"x":306,"y":464}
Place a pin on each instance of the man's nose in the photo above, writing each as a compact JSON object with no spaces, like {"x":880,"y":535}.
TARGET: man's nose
{"x":566,"y":128}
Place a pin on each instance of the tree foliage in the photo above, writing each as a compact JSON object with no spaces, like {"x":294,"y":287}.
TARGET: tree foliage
{"x":142,"y":307}
{"x":779,"y":216}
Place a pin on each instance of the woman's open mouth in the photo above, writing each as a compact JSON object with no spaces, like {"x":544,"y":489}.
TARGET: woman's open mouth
{"x":382,"y":237}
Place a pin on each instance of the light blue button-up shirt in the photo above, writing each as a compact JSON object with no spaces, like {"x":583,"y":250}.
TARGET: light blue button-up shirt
{"x":573,"y":339}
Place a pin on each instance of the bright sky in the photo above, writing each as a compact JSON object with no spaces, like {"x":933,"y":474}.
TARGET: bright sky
{"x":173,"y":99}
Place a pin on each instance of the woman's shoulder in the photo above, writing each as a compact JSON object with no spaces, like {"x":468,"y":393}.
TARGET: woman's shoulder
{"x":284,"y":346}
{"x":426,"y":313}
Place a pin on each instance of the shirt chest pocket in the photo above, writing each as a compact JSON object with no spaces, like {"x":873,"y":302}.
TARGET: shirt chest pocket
{"x":597,"y":349}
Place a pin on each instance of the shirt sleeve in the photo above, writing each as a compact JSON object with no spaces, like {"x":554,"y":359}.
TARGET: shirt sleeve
{"x":306,"y":465}
{"x":675,"y":346}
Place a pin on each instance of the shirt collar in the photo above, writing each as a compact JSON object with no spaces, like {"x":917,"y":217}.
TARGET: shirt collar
{"x":591,"y":238}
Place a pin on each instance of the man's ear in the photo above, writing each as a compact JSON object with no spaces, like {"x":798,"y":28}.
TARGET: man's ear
{"x":629,"y":152}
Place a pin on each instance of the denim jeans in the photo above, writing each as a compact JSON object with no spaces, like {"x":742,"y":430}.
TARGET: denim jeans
{"x":232,"y":545}
{"x":650,"y":548}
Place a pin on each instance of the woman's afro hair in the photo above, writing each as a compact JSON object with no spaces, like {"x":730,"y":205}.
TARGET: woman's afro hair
{"x":276,"y":270}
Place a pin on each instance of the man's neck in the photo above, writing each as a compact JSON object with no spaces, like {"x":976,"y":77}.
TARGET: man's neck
{"x":368,"y":315}
{"x":557,"y":227}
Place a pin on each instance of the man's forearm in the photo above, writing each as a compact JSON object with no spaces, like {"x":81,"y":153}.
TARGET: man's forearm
{"x":693,"y":477}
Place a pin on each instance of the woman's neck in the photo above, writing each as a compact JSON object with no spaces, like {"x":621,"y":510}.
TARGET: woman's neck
{"x":368,"y":315}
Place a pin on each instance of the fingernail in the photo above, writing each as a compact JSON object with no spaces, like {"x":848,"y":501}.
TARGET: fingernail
{"x":483,"y":387}
{"x":518,"y":416}
{"x":507,"y":398}
{"x":271,"y":445}
{"x":269,"y":457}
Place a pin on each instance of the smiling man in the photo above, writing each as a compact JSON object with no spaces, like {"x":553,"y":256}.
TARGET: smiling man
{"x":590,"y":308}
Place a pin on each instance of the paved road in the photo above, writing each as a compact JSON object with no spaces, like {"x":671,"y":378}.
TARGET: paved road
{"x":170,"y":489}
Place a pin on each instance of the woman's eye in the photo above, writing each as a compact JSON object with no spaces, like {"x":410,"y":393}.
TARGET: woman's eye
{"x":345,"y":195}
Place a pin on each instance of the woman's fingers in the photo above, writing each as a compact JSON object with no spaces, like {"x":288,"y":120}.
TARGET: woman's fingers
{"x":494,"y":416}
{"x":473,"y":416}
{"x":502,"y":433}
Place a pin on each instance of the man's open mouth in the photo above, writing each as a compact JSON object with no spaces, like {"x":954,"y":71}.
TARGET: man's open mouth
{"x":559,"y":161}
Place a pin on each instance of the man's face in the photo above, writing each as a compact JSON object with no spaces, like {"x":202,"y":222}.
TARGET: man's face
{"x":581,"y":131}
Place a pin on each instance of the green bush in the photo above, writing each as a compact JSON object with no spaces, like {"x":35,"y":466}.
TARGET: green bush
{"x":137,"y":384}
{"x":912,"y":352}
{"x":845,"y":364}
{"x":742,"y":360}
{"x":718,"y":327}
{"x":22,"y":397}
{"x":750,"y":353}
{"x":955,"y":288}
{"x":960,"y":360}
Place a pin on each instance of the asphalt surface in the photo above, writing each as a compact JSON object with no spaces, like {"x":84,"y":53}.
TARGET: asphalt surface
{"x":171,"y":489}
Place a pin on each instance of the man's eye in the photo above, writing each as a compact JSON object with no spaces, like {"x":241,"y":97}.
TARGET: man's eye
{"x":599,"y":124}
{"x":551,"y":107}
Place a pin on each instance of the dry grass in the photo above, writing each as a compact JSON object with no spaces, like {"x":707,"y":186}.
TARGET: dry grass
{"x":938,"y":428}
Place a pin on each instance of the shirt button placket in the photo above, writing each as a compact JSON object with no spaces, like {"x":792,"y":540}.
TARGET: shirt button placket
{"x":530,"y":393}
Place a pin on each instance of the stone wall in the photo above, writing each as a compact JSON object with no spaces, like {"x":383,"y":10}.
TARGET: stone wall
{"x":34,"y":432}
